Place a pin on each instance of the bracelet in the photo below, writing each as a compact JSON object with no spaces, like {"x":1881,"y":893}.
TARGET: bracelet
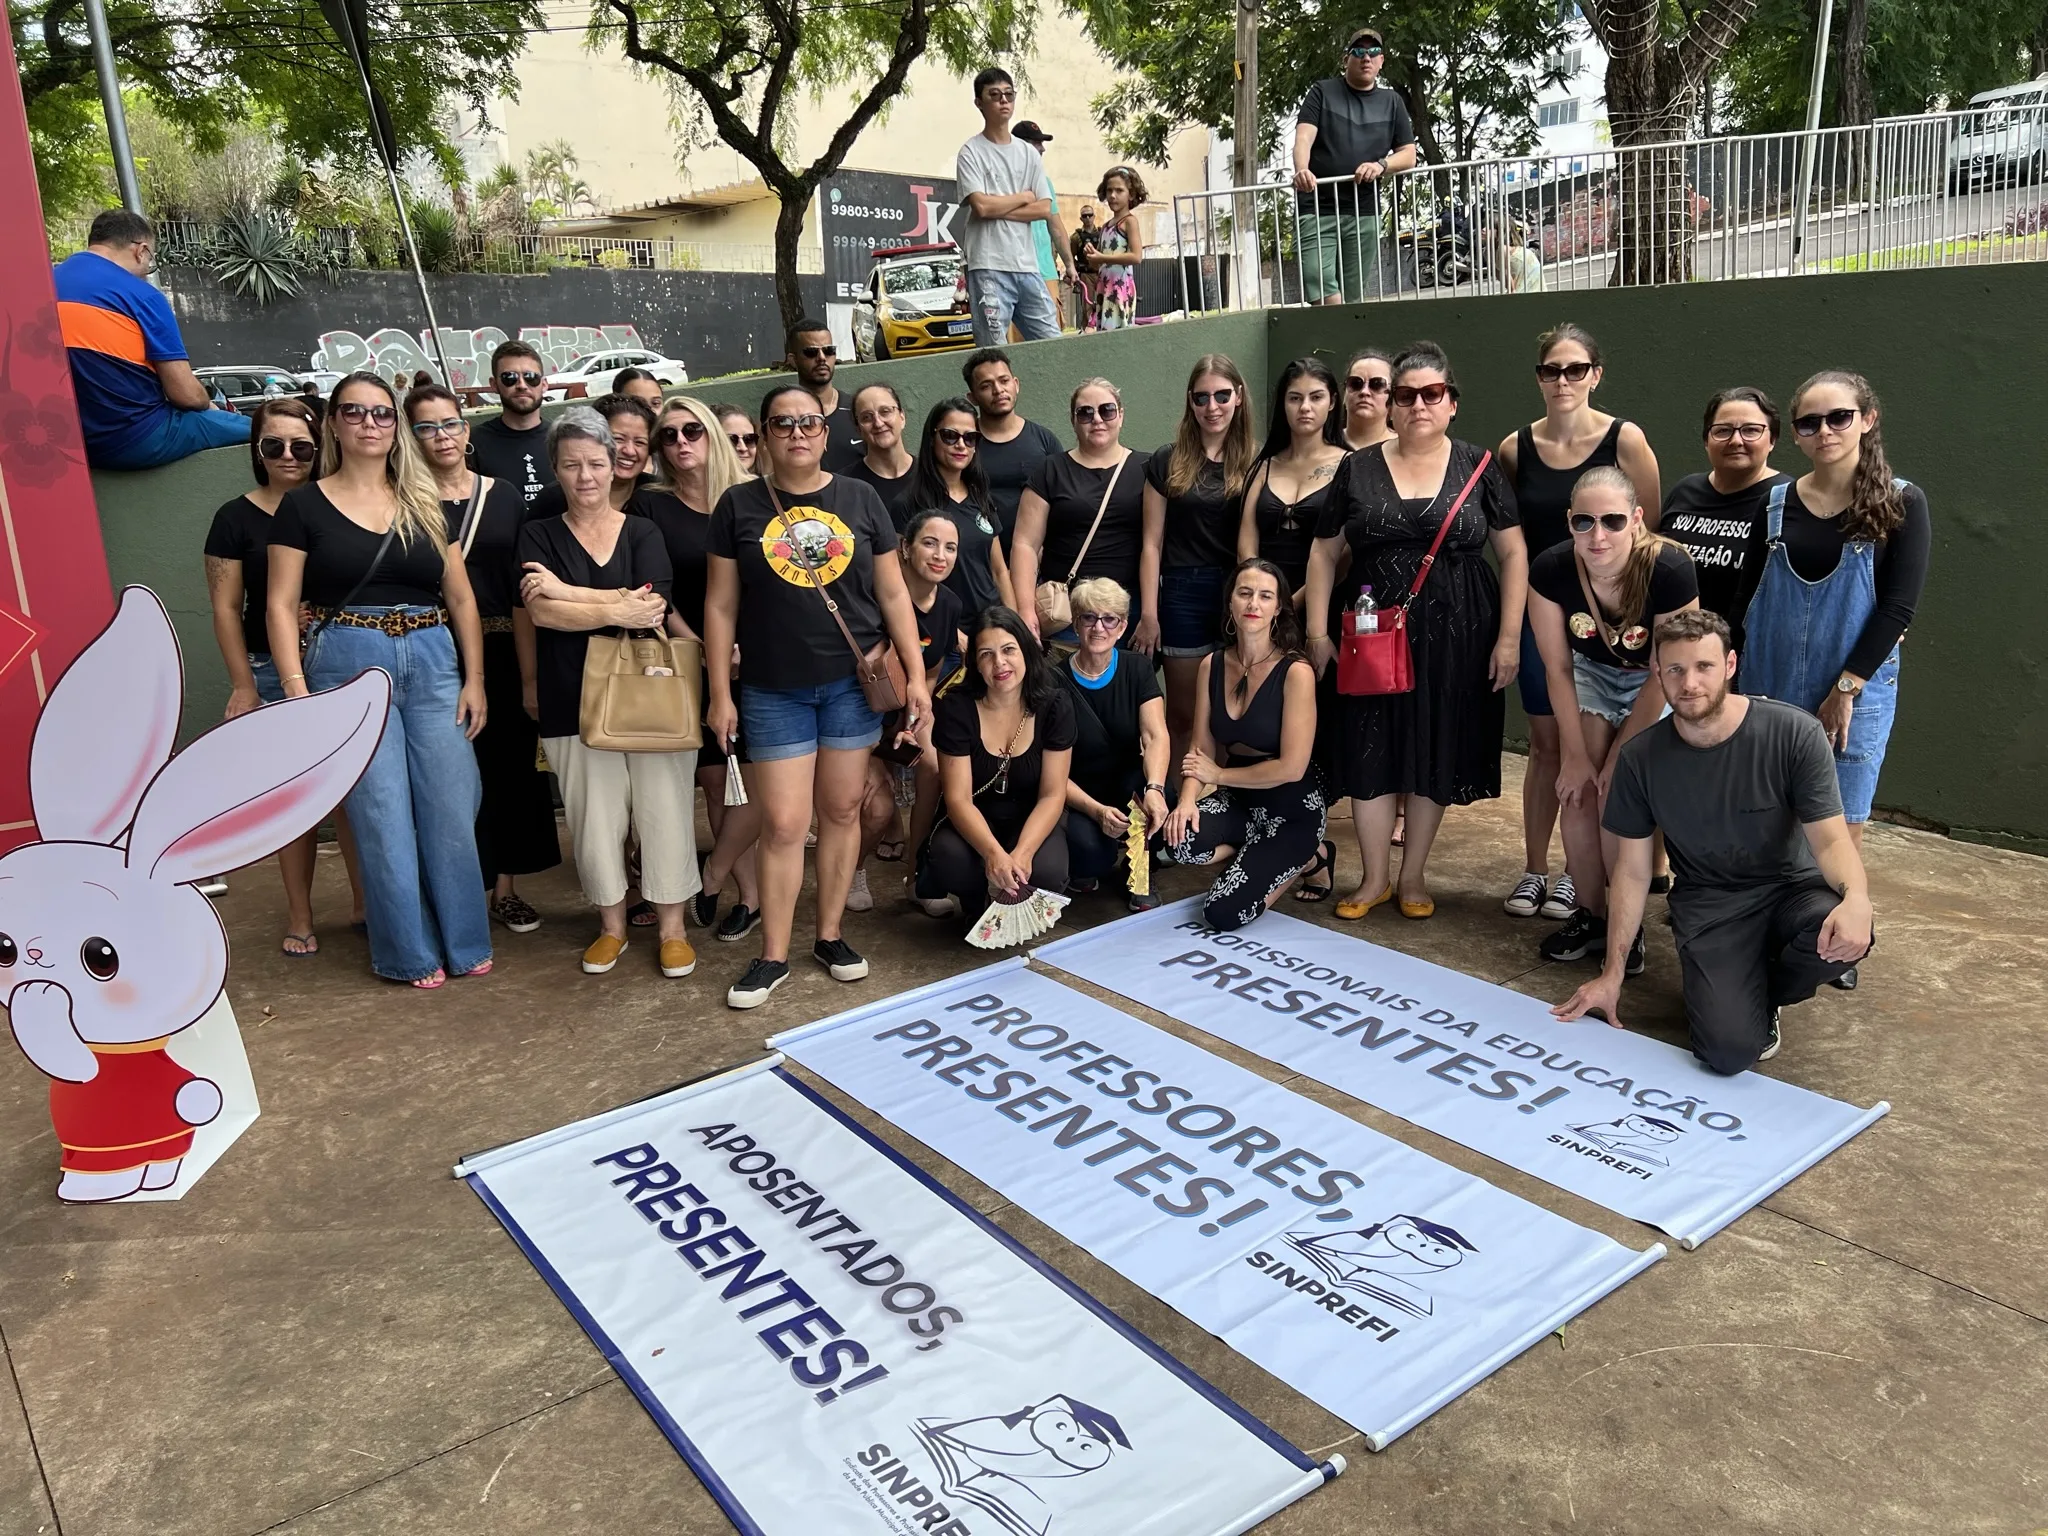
{"x":296,"y":677}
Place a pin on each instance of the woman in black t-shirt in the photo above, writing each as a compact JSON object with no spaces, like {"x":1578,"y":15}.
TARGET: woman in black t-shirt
{"x":284,"y":446}
{"x":948,"y":478}
{"x":887,"y":464}
{"x":1121,"y":744}
{"x":631,"y":421}
{"x":1598,"y":655}
{"x":1053,"y":540}
{"x":515,"y":830}
{"x":788,"y":552}
{"x":367,"y":546}
{"x":1192,"y":491}
{"x":1005,"y":739}
{"x":1719,"y":515}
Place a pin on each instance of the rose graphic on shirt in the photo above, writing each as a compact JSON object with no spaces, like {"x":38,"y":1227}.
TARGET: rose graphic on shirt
{"x":807,"y":537}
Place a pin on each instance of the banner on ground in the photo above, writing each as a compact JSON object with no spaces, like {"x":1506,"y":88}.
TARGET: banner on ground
{"x":1630,"y":1123}
{"x":839,"y":1347}
{"x":1364,"y":1274}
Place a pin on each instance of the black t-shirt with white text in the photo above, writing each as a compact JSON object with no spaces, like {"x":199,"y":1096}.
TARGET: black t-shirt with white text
{"x":339,"y":551}
{"x":637,"y":559}
{"x":1725,"y":532}
{"x":519,"y":456}
{"x":1673,"y":584}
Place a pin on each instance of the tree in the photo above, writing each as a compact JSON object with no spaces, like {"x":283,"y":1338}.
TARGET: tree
{"x":208,"y":65}
{"x":733,"y":67}
{"x":558,"y":192}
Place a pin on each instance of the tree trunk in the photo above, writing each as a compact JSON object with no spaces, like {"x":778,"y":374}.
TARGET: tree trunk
{"x":789,"y":227}
{"x":1855,"y":107}
{"x":1650,"y":222}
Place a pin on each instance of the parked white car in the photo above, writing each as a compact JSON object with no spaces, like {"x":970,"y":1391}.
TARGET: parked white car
{"x":591,"y":374}
{"x":2003,"y":139}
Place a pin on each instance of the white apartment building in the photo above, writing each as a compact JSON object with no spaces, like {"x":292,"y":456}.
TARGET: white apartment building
{"x":1571,"y":117}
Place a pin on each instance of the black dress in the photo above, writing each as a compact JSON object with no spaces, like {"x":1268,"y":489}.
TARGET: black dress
{"x":1287,"y":529}
{"x":1442,"y":740}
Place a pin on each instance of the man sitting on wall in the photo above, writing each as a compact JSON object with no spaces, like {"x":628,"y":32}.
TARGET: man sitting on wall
{"x":139,"y":402}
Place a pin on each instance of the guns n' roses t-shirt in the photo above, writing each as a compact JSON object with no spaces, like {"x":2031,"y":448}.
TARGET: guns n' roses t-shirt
{"x":787,"y":637}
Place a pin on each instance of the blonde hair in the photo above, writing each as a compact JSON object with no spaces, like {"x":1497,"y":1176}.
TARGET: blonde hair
{"x":722,"y":469}
{"x":1633,"y":589}
{"x":419,"y":515}
{"x":1096,"y":383}
{"x":1099,"y":594}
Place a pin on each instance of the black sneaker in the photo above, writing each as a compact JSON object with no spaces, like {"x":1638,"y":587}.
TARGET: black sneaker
{"x":753,"y":988}
{"x":1772,"y":1049}
{"x":840,"y":958}
{"x":1638,"y":955}
{"x":704,"y":908}
{"x":1660,"y":885}
{"x":738,"y":923}
{"x":1144,"y":903}
{"x":1583,"y":934}
{"x":1846,"y":982}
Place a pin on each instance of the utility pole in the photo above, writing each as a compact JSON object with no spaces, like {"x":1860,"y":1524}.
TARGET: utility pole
{"x":1244,"y":153}
{"x":1810,"y":142}
{"x":110,"y":103}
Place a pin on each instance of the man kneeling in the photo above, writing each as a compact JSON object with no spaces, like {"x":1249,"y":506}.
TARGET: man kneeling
{"x":1770,"y":898}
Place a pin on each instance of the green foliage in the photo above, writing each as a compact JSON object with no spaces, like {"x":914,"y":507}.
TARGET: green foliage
{"x":257,"y":257}
{"x":435,"y":235}
{"x":1469,"y":70}
{"x":557,"y":192}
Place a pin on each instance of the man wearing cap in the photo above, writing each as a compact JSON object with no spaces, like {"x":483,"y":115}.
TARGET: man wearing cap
{"x":1003,"y":192}
{"x":1350,"y":126}
{"x":1049,"y":234}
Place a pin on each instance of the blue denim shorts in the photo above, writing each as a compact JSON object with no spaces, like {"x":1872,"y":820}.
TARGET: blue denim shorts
{"x":1191,"y":610}
{"x":781,"y":723}
{"x":1532,"y":680}
{"x":264,"y":670}
{"x":1870,"y":732}
{"x":1609,"y":692}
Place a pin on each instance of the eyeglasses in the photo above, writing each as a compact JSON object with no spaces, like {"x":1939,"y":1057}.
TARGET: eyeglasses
{"x":1834,"y":421}
{"x":1613,"y":522}
{"x":1364,"y":51}
{"x":880,"y":413}
{"x":1550,"y":373}
{"x":1406,"y":395}
{"x":687,"y":432}
{"x":355,"y":413}
{"x":957,"y":437}
{"x":745,"y":439}
{"x":509,"y":379}
{"x":997,"y":93}
{"x":1728,"y":431}
{"x":1373,"y":386}
{"x":814,"y":353}
{"x":1105,"y":413}
{"x":448,"y":426}
{"x":299,"y":448}
{"x":810,"y":425}
{"x":1202,"y":397}
{"x":1097,"y":620}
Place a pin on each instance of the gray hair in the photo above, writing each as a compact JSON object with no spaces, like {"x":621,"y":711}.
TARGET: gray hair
{"x":580,"y":422}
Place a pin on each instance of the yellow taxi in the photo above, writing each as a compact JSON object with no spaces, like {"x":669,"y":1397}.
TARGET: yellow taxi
{"x":915,"y":301}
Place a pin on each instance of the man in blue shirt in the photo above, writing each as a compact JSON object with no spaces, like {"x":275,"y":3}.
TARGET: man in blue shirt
{"x":139,"y":402}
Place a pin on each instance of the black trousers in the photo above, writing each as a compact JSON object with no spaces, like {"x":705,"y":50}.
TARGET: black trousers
{"x":951,"y":867}
{"x":1091,"y":853}
{"x":1275,"y":832}
{"x":1743,"y":954}
{"x":515,"y":826}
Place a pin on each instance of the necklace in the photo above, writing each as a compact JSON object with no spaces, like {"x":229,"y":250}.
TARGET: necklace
{"x":1245,"y":670}
{"x":1000,"y":784}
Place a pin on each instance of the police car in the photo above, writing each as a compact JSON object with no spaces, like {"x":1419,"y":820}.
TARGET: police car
{"x":915,"y":301}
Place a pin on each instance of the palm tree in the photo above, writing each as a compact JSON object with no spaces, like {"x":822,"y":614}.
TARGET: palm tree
{"x":558,"y":192}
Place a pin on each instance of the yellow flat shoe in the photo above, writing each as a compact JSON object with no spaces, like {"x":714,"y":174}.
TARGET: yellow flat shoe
{"x":1418,"y":909}
{"x":602,"y":955}
{"x":1351,"y":911}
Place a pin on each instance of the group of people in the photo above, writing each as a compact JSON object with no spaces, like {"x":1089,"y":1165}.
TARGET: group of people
{"x":1107,"y":658}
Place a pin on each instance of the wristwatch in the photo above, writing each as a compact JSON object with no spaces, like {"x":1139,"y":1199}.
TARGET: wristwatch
{"x":1160,"y":787}
{"x":1847,"y":684}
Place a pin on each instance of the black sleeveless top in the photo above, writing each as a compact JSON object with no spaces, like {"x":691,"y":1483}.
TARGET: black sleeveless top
{"x":1254,"y":737}
{"x":1544,"y":494}
{"x":1287,"y":529}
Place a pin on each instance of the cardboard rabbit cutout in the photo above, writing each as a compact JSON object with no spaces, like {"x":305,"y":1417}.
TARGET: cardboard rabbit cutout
{"x":107,"y":952}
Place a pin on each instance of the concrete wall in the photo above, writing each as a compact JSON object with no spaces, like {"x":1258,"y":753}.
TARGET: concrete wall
{"x":1957,"y":359}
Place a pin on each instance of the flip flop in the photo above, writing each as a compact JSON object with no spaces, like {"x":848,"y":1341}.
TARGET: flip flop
{"x":889,"y":853}
{"x":311,"y":941}
{"x":642,"y":914}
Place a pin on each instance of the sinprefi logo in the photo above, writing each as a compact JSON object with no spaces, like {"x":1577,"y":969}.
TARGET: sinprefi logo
{"x":1001,"y":1464}
{"x":1640,"y":1138}
{"x":807,"y":536}
{"x":1390,"y":1262}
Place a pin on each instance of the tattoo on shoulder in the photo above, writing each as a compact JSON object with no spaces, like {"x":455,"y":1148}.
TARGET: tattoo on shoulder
{"x":1322,"y":472}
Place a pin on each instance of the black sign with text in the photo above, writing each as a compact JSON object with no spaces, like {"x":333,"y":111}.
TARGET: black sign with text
{"x":860,"y":210}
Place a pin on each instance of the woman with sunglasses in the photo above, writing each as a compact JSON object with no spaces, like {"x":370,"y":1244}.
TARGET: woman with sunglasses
{"x":1439,"y":744}
{"x":1594,"y":602}
{"x":1082,"y":513}
{"x":1719,"y":515}
{"x":284,"y":448}
{"x":886,"y":466}
{"x":1848,"y":553}
{"x":929,"y":551}
{"x":367,"y":545}
{"x":1118,"y":249}
{"x":1544,"y":460}
{"x":695,"y":465}
{"x":741,"y":432}
{"x":1250,"y":794}
{"x":1122,"y":750}
{"x":948,"y":478}
{"x":1194,"y":488}
{"x":787,"y":551}
{"x":515,"y":830}
{"x":1005,"y":740}
{"x":1366,"y":381}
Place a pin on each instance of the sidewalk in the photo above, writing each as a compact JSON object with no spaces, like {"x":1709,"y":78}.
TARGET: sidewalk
{"x":331,"y":1337}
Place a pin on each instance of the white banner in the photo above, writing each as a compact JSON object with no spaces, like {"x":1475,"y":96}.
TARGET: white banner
{"x":840,"y":1347}
{"x":1362,"y":1273}
{"x":1626,"y":1121}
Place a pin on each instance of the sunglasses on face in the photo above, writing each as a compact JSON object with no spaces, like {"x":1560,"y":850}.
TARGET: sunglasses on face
{"x":1406,"y":395}
{"x":1373,"y":386}
{"x":809,"y":425}
{"x":745,"y":439}
{"x":1613,"y":522}
{"x":1107,"y":412}
{"x":1097,"y":620}
{"x":681,"y":432}
{"x":509,"y":380}
{"x":355,"y":413}
{"x":1728,"y":431}
{"x":959,"y":437}
{"x":446,"y":427}
{"x":1364,"y":51}
{"x":1202,"y":397}
{"x":300,"y":448}
{"x":998,"y":94}
{"x":1550,"y":373}
{"x":814,"y":353}
{"x":1835,"y":421}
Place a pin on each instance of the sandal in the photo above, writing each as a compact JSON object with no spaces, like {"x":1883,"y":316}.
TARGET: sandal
{"x":433,"y":982}
{"x":481,"y":968}
{"x":642,"y":914}
{"x":889,"y":853}
{"x":309,"y":946}
{"x":1325,"y":864}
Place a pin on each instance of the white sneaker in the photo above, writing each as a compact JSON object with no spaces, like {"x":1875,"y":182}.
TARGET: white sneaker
{"x":1563,"y":900}
{"x":1527,"y":898}
{"x":858,"y":897}
{"x":1777,"y":1040}
{"x":939,"y":906}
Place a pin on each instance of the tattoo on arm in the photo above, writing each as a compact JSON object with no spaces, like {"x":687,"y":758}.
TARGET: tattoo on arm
{"x":219,"y":572}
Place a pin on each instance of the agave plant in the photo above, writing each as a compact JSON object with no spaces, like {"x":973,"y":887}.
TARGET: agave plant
{"x":258,"y":257}
{"x":434,"y":232}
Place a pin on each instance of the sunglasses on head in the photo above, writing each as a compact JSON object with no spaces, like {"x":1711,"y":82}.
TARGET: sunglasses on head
{"x":1613,"y":522}
{"x":745,"y":439}
{"x":1376,"y":385}
{"x":1202,"y":397}
{"x":509,"y":379}
{"x":299,"y":448}
{"x":814,"y":353}
{"x":1106,"y":412}
{"x":808,"y":425}
{"x":1406,"y":395}
{"x":679,"y":432}
{"x":1364,"y":51}
{"x":1837,"y":420}
{"x":1550,"y":373}
{"x":959,"y":437}
{"x":447,"y":426}
{"x":1728,"y":431}
{"x":355,"y":413}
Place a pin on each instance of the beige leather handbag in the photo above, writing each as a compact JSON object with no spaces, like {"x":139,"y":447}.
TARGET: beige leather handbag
{"x":642,"y":693}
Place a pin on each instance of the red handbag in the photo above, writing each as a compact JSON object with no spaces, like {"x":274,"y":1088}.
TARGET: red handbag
{"x":1378,"y":661}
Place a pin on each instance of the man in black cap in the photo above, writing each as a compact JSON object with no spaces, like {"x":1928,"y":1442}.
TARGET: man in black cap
{"x":1352,"y":126}
{"x":1048,"y":234}
{"x":1079,"y":244}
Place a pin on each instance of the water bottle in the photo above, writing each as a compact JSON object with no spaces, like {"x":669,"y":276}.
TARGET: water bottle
{"x":1365,"y":614}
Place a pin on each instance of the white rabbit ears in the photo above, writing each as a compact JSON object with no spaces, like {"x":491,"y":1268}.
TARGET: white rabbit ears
{"x":102,"y":760}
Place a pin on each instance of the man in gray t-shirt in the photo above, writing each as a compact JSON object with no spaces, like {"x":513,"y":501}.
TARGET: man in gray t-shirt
{"x":1769,"y":898}
{"x":1002,"y":182}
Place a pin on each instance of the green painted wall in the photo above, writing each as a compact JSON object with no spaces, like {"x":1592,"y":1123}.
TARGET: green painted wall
{"x":1959,"y":358}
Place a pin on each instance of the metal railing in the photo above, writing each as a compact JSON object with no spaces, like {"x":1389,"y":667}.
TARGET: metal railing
{"x":1946,"y":189}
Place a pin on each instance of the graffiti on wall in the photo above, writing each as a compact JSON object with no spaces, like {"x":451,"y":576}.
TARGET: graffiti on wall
{"x":393,"y":353}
